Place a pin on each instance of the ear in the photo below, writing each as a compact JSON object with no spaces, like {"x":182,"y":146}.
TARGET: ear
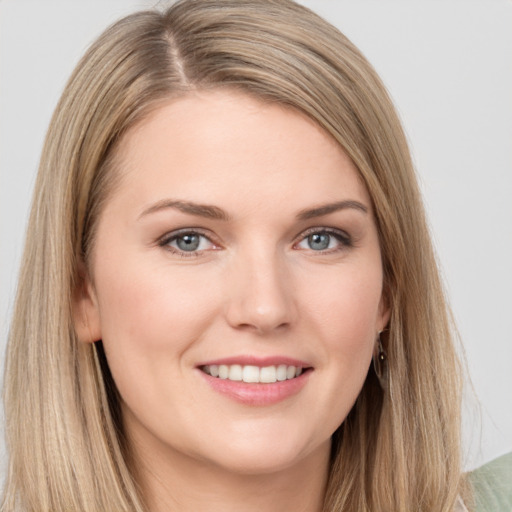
{"x":384,"y":312}
{"x":85,"y":310}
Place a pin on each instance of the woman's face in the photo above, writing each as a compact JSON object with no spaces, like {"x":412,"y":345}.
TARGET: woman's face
{"x":239,"y":244}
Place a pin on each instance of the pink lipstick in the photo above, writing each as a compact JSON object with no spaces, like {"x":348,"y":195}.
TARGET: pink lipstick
{"x":256,"y":381}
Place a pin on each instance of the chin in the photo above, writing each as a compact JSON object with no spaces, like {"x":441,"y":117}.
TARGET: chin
{"x":259,"y":458}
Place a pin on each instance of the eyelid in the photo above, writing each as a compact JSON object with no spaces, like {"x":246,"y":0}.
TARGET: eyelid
{"x":341,"y":235}
{"x":168,"y":237}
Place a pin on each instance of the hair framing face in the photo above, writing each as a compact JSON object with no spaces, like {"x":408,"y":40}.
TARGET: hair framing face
{"x":64,"y":433}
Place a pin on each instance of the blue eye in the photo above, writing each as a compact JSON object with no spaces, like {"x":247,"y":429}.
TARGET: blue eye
{"x":187,"y":243}
{"x":319,"y":241}
{"x":324,"y":240}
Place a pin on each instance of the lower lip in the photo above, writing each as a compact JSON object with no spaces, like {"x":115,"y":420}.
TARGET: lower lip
{"x":257,"y":394}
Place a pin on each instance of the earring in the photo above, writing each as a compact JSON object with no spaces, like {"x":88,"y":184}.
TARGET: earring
{"x":380,"y":365}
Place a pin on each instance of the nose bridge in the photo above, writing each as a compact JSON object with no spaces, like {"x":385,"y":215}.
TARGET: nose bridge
{"x":260,"y":295}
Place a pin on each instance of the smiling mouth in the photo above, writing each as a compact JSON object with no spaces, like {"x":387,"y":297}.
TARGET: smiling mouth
{"x":254,"y":374}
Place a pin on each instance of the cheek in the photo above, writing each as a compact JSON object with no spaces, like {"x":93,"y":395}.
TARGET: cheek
{"x":148,"y":310}
{"x":150,"y":317}
{"x":343,"y":313}
{"x":346,"y":307}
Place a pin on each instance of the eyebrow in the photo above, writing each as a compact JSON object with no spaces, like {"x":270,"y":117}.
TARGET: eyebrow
{"x":331,"y":208}
{"x":201,"y":210}
{"x":216,"y":213}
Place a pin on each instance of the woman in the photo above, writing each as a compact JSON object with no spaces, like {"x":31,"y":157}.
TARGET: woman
{"x":226,"y":230}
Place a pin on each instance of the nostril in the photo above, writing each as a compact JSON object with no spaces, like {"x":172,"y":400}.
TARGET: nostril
{"x":262,"y":328}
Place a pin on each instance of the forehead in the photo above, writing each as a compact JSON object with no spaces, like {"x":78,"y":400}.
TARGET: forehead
{"x":219,"y":144}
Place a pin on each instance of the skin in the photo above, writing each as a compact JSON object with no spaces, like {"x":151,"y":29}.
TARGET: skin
{"x":256,"y":286}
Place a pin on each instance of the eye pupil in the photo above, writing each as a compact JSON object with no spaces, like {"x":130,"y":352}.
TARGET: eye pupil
{"x":319,"y":241}
{"x":188,"y":242}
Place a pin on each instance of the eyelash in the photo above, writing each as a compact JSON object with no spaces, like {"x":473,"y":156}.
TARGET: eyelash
{"x":175,"y":235}
{"x":342,"y":237}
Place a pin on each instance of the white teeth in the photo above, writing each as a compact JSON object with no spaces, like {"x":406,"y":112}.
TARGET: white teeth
{"x":253,"y":374}
{"x":223,"y":371}
{"x":290,"y":372}
{"x":235,"y":372}
{"x":268,"y":374}
{"x":281,"y":372}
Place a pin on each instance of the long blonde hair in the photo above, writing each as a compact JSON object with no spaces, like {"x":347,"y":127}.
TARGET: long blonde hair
{"x":398,"y":450}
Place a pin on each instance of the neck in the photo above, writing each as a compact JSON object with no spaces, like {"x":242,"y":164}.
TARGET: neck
{"x":179,"y":483}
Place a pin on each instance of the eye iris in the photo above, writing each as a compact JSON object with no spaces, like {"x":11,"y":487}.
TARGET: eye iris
{"x":188,"y":242}
{"x":319,"y":241}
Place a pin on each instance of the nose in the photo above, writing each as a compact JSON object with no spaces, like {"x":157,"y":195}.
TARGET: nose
{"x":260,"y":294}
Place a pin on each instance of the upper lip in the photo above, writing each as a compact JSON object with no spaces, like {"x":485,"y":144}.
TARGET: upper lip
{"x":246,"y":360}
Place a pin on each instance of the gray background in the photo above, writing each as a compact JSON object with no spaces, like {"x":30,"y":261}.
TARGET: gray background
{"x":448,"y":66}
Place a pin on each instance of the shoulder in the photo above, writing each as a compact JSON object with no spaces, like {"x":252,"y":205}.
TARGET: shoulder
{"x":492,"y":485}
